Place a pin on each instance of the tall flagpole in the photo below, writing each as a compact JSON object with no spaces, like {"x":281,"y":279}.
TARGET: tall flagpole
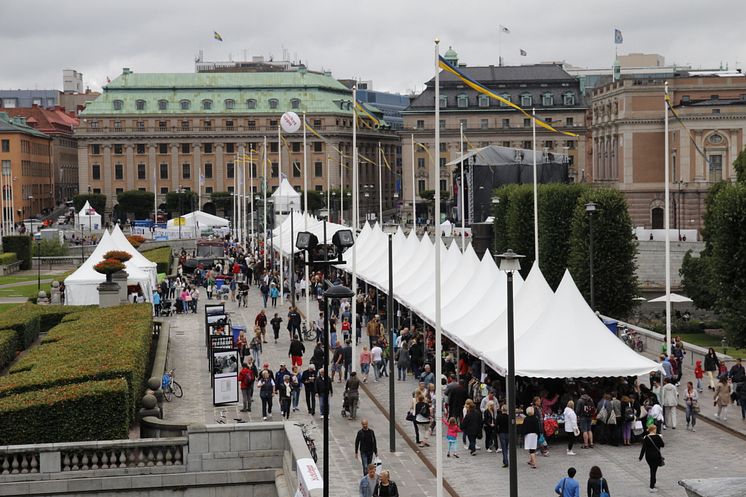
{"x":252,"y":234}
{"x":414,"y":193}
{"x":380,"y":187}
{"x":265,"y":183}
{"x":305,"y":219}
{"x":243,"y":201}
{"x":438,"y":346}
{"x":536,"y":197}
{"x":461,"y":192}
{"x":342,"y":187}
{"x":235,"y":198}
{"x":328,"y":187}
{"x":353,"y":304}
{"x":3,"y":220}
{"x":279,"y":186}
{"x":667,"y":220}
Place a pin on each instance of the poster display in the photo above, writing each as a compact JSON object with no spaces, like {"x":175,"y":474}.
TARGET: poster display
{"x":309,"y":477}
{"x":224,"y":376}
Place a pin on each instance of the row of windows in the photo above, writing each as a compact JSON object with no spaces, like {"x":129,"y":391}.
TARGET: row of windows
{"x":34,"y":168}
{"x":207,"y":148}
{"x":505,"y":122}
{"x":206,"y":124}
{"x":525,"y":100}
{"x":207,"y":104}
{"x":208,"y":189}
{"x":207,"y":170}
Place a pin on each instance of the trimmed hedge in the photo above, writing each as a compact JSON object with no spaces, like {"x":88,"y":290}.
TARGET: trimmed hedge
{"x":162,"y":257}
{"x":8,"y":340}
{"x":8,"y":258}
{"x":82,"y":411}
{"x":24,"y":323}
{"x":21,"y":246}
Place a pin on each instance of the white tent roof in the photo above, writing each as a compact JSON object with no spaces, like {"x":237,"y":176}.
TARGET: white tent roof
{"x":285,"y":190}
{"x":201,"y":219}
{"x":139,"y":260}
{"x":80,"y":287}
{"x":283,"y":240}
{"x":675,"y":297}
{"x":86,"y":209}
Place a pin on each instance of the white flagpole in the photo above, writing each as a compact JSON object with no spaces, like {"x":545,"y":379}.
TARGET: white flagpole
{"x":328,"y":187}
{"x":414,"y":193}
{"x":199,"y":186}
{"x":341,"y":188}
{"x":243,"y":200}
{"x":252,"y":235}
{"x":279,"y":185}
{"x":461,"y":192}
{"x":667,"y":220}
{"x":380,"y":187}
{"x":265,"y":183}
{"x":305,"y":217}
{"x":438,"y":346}
{"x":353,"y":305}
{"x":235,"y":198}
{"x":536,"y":194}
{"x":3,"y":220}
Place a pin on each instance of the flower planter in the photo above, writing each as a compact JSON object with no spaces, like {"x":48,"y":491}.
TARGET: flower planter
{"x":108,"y":294}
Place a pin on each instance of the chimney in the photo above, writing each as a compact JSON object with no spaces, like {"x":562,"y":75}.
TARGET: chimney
{"x":126,"y":70}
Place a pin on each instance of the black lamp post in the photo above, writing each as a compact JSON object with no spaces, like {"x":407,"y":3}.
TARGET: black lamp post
{"x":510,"y":262}
{"x":38,"y":265}
{"x":590,"y":208}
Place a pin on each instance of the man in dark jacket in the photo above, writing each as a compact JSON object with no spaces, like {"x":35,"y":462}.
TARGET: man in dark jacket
{"x":365,"y":445}
{"x":347,"y":353}
{"x":352,"y":390}
{"x":323,"y":386}
{"x":308,"y":378}
{"x":296,"y":351}
{"x":457,"y":400}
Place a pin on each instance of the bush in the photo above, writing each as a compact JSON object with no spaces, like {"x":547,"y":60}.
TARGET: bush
{"x":135,"y":240}
{"x":691,"y":326}
{"x":162,"y":257}
{"x":21,"y":246}
{"x":24,"y":322}
{"x":8,"y":339}
{"x":81,"y":411}
{"x":49,"y":248}
{"x":8,"y":258}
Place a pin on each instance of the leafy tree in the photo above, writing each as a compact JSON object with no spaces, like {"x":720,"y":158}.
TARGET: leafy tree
{"x":316,"y":200}
{"x":740,"y":166}
{"x":181,"y":202}
{"x":223,"y":202}
{"x":697,"y":280}
{"x":519,"y":218}
{"x":97,"y":201}
{"x":614,"y":251}
{"x":49,"y":248}
{"x":137,"y":202}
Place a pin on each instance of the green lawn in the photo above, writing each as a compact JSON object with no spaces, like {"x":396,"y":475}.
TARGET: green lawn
{"x":705,"y":340}
{"x":7,"y":307}
{"x":27,"y":291}
{"x":4,"y":280}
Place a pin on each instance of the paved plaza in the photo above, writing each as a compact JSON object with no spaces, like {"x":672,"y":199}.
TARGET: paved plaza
{"x":708,"y":453}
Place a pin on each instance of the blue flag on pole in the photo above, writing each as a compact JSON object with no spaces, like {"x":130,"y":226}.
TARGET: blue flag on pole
{"x":618,"y":37}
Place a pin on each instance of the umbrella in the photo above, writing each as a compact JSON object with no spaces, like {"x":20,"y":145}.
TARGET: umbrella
{"x":675,"y":297}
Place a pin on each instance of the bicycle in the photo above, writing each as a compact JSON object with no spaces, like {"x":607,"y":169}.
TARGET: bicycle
{"x":309,"y":335}
{"x":170,"y":387}
{"x":305,"y":430}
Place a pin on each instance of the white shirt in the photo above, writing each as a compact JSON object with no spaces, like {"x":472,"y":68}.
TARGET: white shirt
{"x":376,"y":353}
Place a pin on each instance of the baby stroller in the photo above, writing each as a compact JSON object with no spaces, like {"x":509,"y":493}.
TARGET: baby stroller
{"x":345,"y":405}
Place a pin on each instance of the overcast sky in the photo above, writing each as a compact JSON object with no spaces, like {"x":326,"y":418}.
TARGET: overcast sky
{"x":387,"y":41}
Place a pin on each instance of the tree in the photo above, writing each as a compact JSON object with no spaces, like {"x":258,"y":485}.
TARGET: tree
{"x":137,"y":202}
{"x":97,"y":201}
{"x":181,"y":202}
{"x":223,"y":202}
{"x":316,"y":200}
{"x":697,"y":280}
{"x":740,"y":166}
{"x":614,"y":252}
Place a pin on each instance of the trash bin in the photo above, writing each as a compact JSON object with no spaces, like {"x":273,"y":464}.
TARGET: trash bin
{"x":612,"y":324}
{"x":236,"y":330}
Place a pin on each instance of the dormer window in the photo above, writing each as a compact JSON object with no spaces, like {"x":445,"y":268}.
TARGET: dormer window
{"x":462,"y":101}
{"x":443,"y":102}
{"x":162,"y":104}
{"x":140,"y":104}
{"x":295,"y":103}
{"x":251,"y":103}
{"x":526,"y":100}
{"x":547,"y":100}
{"x":118,"y":104}
{"x":506,"y":97}
{"x":483,"y":100}
{"x":230,"y":103}
{"x":273,"y":103}
{"x":568,"y":99}
{"x":206,"y":104}
{"x":185,"y":104}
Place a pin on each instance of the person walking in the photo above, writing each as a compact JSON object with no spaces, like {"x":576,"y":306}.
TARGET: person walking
{"x":652,"y":444}
{"x":308,"y":378}
{"x":296,"y":351}
{"x":585,"y":410}
{"x":368,"y":482}
{"x":691,"y":401}
{"x":323,"y":386}
{"x":472,"y":425}
{"x":503,"y":432}
{"x":402,"y":360}
{"x":374,"y":330}
{"x":571,"y":426}
{"x":385,"y":487}
{"x":531,"y":435}
{"x":376,"y":355}
{"x":255,"y":346}
{"x":274,"y":294}
{"x":266,"y":392}
{"x":246,"y":379}
{"x":568,"y":486}
{"x":422,"y":417}
{"x":352,"y":387}
{"x":452,"y":431}
{"x":722,"y":398}
{"x":276,"y":322}
{"x":597,"y":484}
{"x":489,"y":421}
{"x":712,"y":365}
{"x":669,"y":401}
{"x":286,"y":395}
{"x":365,"y":445}
{"x":295,"y":382}
{"x":261,"y":321}
{"x":365,"y":359}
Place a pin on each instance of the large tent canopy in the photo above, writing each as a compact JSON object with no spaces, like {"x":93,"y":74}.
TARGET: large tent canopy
{"x":285,"y":197}
{"x":200,"y":219}
{"x":88,"y":218}
{"x":139,"y":260}
{"x":284,"y":241}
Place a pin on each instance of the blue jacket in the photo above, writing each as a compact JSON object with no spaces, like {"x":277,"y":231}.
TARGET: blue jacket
{"x":365,"y":490}
{"x":569,"y":487}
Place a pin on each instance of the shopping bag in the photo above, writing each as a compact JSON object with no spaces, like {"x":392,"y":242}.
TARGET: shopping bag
{"x":379,"y":465}
{"x":637,"y":428}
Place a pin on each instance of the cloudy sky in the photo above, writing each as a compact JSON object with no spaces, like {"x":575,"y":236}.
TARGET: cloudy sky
{"x":387,"y":41}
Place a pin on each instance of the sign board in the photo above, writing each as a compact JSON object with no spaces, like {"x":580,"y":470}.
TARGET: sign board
{"x":179,"y":221}
{"x":224,"y":365}
{"x":290,"y":122}
{"x":309,"y":477}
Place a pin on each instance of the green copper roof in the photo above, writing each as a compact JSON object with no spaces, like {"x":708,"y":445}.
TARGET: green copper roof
{"x":10,"y":124}
{"x":251,"y":93}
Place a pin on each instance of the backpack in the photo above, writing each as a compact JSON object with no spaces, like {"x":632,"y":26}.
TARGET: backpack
{"x":588,"y":409}
{"x":629,"y":413}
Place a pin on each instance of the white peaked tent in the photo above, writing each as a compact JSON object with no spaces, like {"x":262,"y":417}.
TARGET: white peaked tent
{"x":80,"y":287}
{"x":199,"y":218}
{"x":88,"y":218}
{"x":286,"y":198}
{"x":446,"y":228}
{"x":283,"y":232}
{"x":139,"y":260}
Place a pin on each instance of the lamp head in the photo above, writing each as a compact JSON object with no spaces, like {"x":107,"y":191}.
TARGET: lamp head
{"x":306,"y":241}
{"x":343,"y":239}
{"x":591,"y":207}
{"x":509,"y":261}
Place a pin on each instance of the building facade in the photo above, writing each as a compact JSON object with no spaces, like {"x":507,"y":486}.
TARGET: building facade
{"x":164,"y":132}
{"x":546,"y":87}
{"x":628,"y":142}
{"x":26,"y":165}
{"x":11,"y":99}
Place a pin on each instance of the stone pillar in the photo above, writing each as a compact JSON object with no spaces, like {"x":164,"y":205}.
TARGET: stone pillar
{"x":56,"y":300}
{"x":174,"y":169}
{"x":106,"y":176}
{"x":84,"y":178}
{"x":219,"y":168}
{"x":700,"y":174}
{"x":197,"y":170}
{"x":108,"y":294}
{"x":129,"y":166}
{"x":120,"y":278}
{"x":152,"y":168}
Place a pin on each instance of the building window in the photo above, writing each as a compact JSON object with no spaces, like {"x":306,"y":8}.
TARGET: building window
{"x":462,"y":101}
{"x":420,"y":185}
{"x":317,"y":123}
{"x":229,"y":171}
{"x":568,"y":99}
{"x":186,"y":171}
{"x":208,"y":170}
{"x":163,"y":148}
{"x":208,"y":189}
{"x":295,"y":146}
{"x":295,"y":103}
{"x":443,"y":102}
{"x":6,"y":146}
{"x":185,"y":125}
{"x":505,"y":96}
{"x":420,"y":162}
{"x":527,"y":122}
{"x":141,"y":171}
{"x":96,"y":171}
{"x":140,"y":125}
{"x":506,"y":123}
{"x":526,"y":100}
{"x":162,"y":104}
{"x":117,"y":124}
{"x":230,"y":103}
{"x":230,"y":148}
{"x":118,"y":149}
{"x":483,"y":101}
{"x":141,"y":189}
{"x":506,"y":144}
{"x":95,"y":149}
{"x":118,"y":171}
{"x":442,"y":124}
{"x":251,"y":104}
{"x":484,"y":123}
{"x":118,"y":104}
{"x":420,"y":124}
{"x":527,"y":144}
{"x":185,"y":104}
{"x":275,"y":169}
{"x":162,"y":125}
{"x":140,"y":104}
{"x":716,"y":168}
{"x":164,"y":171}
{"x":273,"y":123}
{"x":318,"y":169}
{"x":206,"y":104}
{"x":569,"y":122}
{"x":9,"y":103}
{"x":463,"y":123}
{"x":296,"y":169}
{"x":207,"y":125}
{"x":164,"y":190}
{"x":549,"y":144}
{"x":251,"y":124}
{"x":547,"y":100}
{"x":119,"y":190}
{"x":36,"y":101}
{"x":207,"y":147}
{"x":570,"y":144}
{"x":318,"y":147}
{"x":443,"y":147}
{"x":443,"y":186}
{"x":273,"y":103}
{"x":97,"y":191}
{"x":185,"y":148}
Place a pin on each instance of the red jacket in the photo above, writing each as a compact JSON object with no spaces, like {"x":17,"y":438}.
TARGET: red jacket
{"x":246,"y":377}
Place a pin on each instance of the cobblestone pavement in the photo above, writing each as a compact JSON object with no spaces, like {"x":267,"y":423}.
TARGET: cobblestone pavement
{"x":706,"y":453}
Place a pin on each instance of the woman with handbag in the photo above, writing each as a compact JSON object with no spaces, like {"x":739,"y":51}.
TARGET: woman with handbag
{"x":652,"y":444}
{"x":472,"y":425}
{"x":571,"y":426}
{"x":597,"y":486}
{"x":691,"y":400}
{"x":421,"y":412}
{"x":722,"y":398}
{"x":489,"y":419}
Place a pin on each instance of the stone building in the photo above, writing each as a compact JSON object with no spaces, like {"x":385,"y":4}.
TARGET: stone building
{"x":628,"y":142}
{"x":165,"y":131}
{"x":548,"y":88}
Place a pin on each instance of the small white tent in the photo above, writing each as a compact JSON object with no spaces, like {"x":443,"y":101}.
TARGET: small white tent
{"x":139,"y":260}
{"x":88,"y":218}
{"x":200,"y":219}
{"x":286,"y":198}
{"x":80,"y":287}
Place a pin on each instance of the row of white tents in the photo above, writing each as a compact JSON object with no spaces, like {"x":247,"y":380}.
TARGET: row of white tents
{"x":556,"y":333}
{"x":81,"y":286}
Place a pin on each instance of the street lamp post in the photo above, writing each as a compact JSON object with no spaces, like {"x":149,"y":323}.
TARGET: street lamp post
{"x":510,"y":262}
{"x":38,"y":265}
{"x":590,"y":208}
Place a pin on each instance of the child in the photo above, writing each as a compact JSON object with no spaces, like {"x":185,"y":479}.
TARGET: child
{"x":452,"y":435}
{"x":699,"y":374}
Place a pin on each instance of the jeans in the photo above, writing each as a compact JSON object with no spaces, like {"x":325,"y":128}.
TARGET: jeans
{"x":311,"y":400}
{"x":266,"y":406}
{"x":416,"y":432}
{"x":472,"y":442}
{"x":366,"y":459}
{"x":246,"y":396}
{"x":402,"y":373}
{"x":264,"y":299}
{"x":296,"y":398}
{"x":691,"y":416}
{"x":504,"y":439}
{"x":365,"y":368}
{"x":256,"y":355}
{"x":274,"y":302}
{"x":377,"y":369}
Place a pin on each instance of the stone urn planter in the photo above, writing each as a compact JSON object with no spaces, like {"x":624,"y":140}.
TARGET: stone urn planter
{"x":120,"y":278}
{"x":108,"y":294}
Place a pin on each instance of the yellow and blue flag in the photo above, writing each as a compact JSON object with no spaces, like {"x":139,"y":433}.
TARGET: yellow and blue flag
{"x":217,"y":36}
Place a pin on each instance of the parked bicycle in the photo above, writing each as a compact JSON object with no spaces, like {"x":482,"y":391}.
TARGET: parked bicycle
{"x":632,"y":339}
{"x":306,"y":429}
{"x":309,"y":335}
{"x":170,"y":387}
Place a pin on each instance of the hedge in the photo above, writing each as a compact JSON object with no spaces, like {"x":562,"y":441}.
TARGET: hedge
{"x":21,"y":246}
{"x":8,"y":341}
{"x":161,"y":256}
{"x":101,"y":344}
{"x":24,"y":323}
{"x":82,"y":411}
{"x":8,"y":258}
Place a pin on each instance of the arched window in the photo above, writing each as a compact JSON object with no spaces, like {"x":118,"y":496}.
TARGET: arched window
{"x":273,"y":103}
{"x":140,"y":104}
{"x":506,"y":96}
{"x":162,"y":104}
{"x":230,"y":103}
{"x":547,"y":99}
{"x":484,"y":100}
{"x":251,"y":103}
{"x":185,"y":104}
{"x":462,"y":101}
{"x":568,"y":99}
{"x":656,"y":218}
{"x":526,"y":100}
{"x":118,"y":104}
{"x":206,"y":104}
{"x":295,"y":103}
